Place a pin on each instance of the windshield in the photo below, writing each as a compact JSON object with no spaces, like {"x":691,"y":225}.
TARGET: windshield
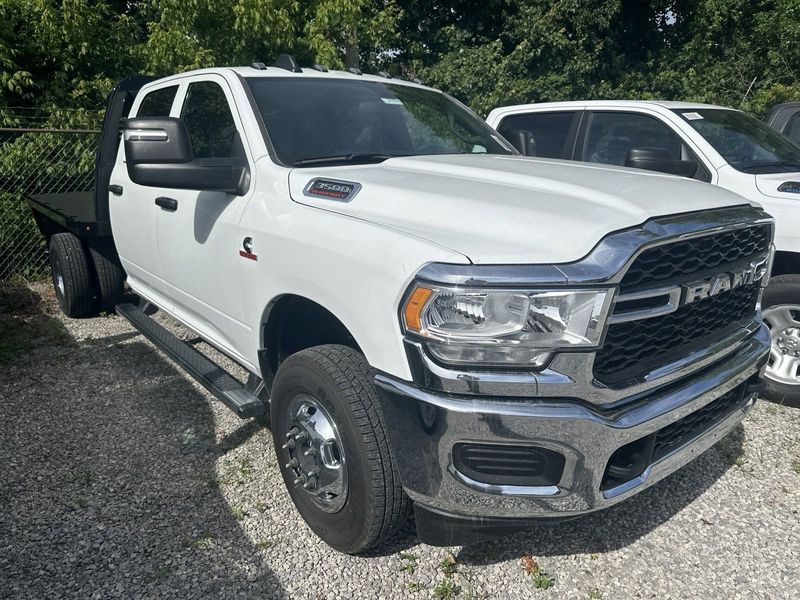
{"x":314,"y":121}
{"x":743,"y":141}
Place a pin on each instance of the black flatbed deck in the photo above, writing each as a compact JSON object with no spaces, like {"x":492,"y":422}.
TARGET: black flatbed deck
{"x":75,"y":211}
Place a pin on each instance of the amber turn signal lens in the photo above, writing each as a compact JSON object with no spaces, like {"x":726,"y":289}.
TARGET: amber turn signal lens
{"x":414,"y":306}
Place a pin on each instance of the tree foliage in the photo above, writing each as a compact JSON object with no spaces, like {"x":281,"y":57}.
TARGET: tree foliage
{"x":68,"y":53}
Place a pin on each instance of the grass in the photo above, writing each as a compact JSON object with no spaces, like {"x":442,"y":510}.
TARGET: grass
{"x":448,"y":565}
{"x":796,"y":465}
{"x":159,"y":574}
{"x":204,"y":542}
{"x":415,"y":586}
{"x":446,"y":590}
{"x":541,"y":579}
{"x":595,"y":594}
{"x":408,"y":562}
{"x":238,"y":513}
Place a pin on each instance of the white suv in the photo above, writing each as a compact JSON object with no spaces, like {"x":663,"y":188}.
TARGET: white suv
{"x":718,"y":145}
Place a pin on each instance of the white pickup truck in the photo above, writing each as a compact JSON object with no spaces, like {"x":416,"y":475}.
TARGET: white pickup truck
{"x":718,"y":145}
{"x":428,"y":318}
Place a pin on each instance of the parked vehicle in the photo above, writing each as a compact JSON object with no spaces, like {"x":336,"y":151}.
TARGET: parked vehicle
{"x":785,"y":118}
{"x":718,"y":145}
{"x":428,"y":319}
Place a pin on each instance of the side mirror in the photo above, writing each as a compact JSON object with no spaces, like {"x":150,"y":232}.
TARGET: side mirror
{"x":658,"y":159}
{"x":524,"y":142}
{"x":158,"y":154}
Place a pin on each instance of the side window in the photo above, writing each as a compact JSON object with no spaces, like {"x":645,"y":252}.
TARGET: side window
{"x":550,"y":131}
{"x":612,"y":135}
{"x":209,"y":122}
{"x":792,"y":129}
{"x":158,"y":102}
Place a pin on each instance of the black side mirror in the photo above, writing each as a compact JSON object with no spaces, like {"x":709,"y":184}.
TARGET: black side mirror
{"x":524,"y":142}
{"x":158,"y":154}
{"x":658,"y":159}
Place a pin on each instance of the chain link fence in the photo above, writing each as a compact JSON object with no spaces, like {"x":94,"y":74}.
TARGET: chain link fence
{"x":40,"y":153}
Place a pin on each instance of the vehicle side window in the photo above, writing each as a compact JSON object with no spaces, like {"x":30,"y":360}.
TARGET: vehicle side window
{"x":209,"y":121}
{"x":612,"y":135}
{"x":792,"y":129}
{"x":550,"y":131}
{"x":157,"y":103}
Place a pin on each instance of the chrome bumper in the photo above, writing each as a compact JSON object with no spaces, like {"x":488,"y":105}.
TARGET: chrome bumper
{"x":425,"y":425}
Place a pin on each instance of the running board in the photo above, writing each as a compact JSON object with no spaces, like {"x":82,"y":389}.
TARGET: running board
{"x":210,"y":375}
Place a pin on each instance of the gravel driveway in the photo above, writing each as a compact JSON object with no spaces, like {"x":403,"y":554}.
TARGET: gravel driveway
{"x":121,"y":477}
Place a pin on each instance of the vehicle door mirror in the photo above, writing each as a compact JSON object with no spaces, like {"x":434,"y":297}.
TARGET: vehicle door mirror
{"x":658,"y":159}
{"x":524,"y":142}
{"x":158,"y":153}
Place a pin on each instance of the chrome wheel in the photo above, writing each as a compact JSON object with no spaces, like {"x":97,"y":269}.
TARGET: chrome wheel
{"x":315,"y":453}
{"x":783,"y":321}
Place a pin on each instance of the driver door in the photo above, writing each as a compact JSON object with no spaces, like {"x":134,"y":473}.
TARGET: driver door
{"x":198,"y":238}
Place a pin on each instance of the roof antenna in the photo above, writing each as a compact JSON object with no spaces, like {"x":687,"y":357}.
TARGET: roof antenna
{"x":288,"y":62}
{"x":258,"y":65}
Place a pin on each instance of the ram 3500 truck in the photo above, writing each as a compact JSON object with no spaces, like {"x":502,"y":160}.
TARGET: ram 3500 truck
{"x":722,"y":146}
{"x":429,"y":319}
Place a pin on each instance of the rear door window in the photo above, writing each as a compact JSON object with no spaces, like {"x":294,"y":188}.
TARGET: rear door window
{"x":552,"y":132}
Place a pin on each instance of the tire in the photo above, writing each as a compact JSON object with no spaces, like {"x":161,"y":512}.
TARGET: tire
{"x":110,"y":280}
{"x":781,"y":295}
{"x":72,"y":277}
{"x":337,"y":382}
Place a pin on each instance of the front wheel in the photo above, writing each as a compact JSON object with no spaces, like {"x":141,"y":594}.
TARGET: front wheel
{"x":781,"y":313}
{"x":331,"y":445}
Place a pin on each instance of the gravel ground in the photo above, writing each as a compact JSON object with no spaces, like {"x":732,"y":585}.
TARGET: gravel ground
{"x":121,"y":477}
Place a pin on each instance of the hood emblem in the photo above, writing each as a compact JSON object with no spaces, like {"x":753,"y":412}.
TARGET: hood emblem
{"x":332,"y":189}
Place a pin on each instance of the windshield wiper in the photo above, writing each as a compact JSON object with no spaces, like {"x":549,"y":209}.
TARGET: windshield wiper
{"x":768,"y":164}
{"x":351,"y":158}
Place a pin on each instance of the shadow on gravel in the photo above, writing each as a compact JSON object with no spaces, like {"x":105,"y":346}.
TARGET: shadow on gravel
{"x":109,"y":488}
{"x":622,"y":524}
{"x":26,"y":321}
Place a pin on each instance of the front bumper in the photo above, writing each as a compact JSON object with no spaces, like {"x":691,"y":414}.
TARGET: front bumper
{"x":425,"y":425}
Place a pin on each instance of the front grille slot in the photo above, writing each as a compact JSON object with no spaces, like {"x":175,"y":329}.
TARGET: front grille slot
{"x":682,"y":432}
{"x":680,"y":260}
{"x":631,"y":460}
{"x":634,"y":348}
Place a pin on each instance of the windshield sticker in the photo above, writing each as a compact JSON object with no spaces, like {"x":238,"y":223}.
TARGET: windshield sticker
{"x":396,"y":101}
{"x":478,"y":149}
{"x":333,"y":189}
{"x":692,"y":116}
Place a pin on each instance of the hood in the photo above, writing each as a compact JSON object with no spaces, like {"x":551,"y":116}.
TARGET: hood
{"x":508,"y":209}
{"x":768,"y":185}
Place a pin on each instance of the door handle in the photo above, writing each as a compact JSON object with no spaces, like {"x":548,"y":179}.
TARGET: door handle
{"x":169,"y":204}
{"x":115,"y":189}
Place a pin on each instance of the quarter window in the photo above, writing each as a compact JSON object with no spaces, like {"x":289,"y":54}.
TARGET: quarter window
{"x":550,"y":131}
{"x":158,"y":103}
{"x":209,"y":122}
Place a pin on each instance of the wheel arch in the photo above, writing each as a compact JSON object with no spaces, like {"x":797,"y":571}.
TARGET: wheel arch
{"x":293,"y":322}
{"x":786,"y":263}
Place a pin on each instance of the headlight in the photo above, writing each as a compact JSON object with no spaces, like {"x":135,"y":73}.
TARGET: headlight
{"x":504,"y":327}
